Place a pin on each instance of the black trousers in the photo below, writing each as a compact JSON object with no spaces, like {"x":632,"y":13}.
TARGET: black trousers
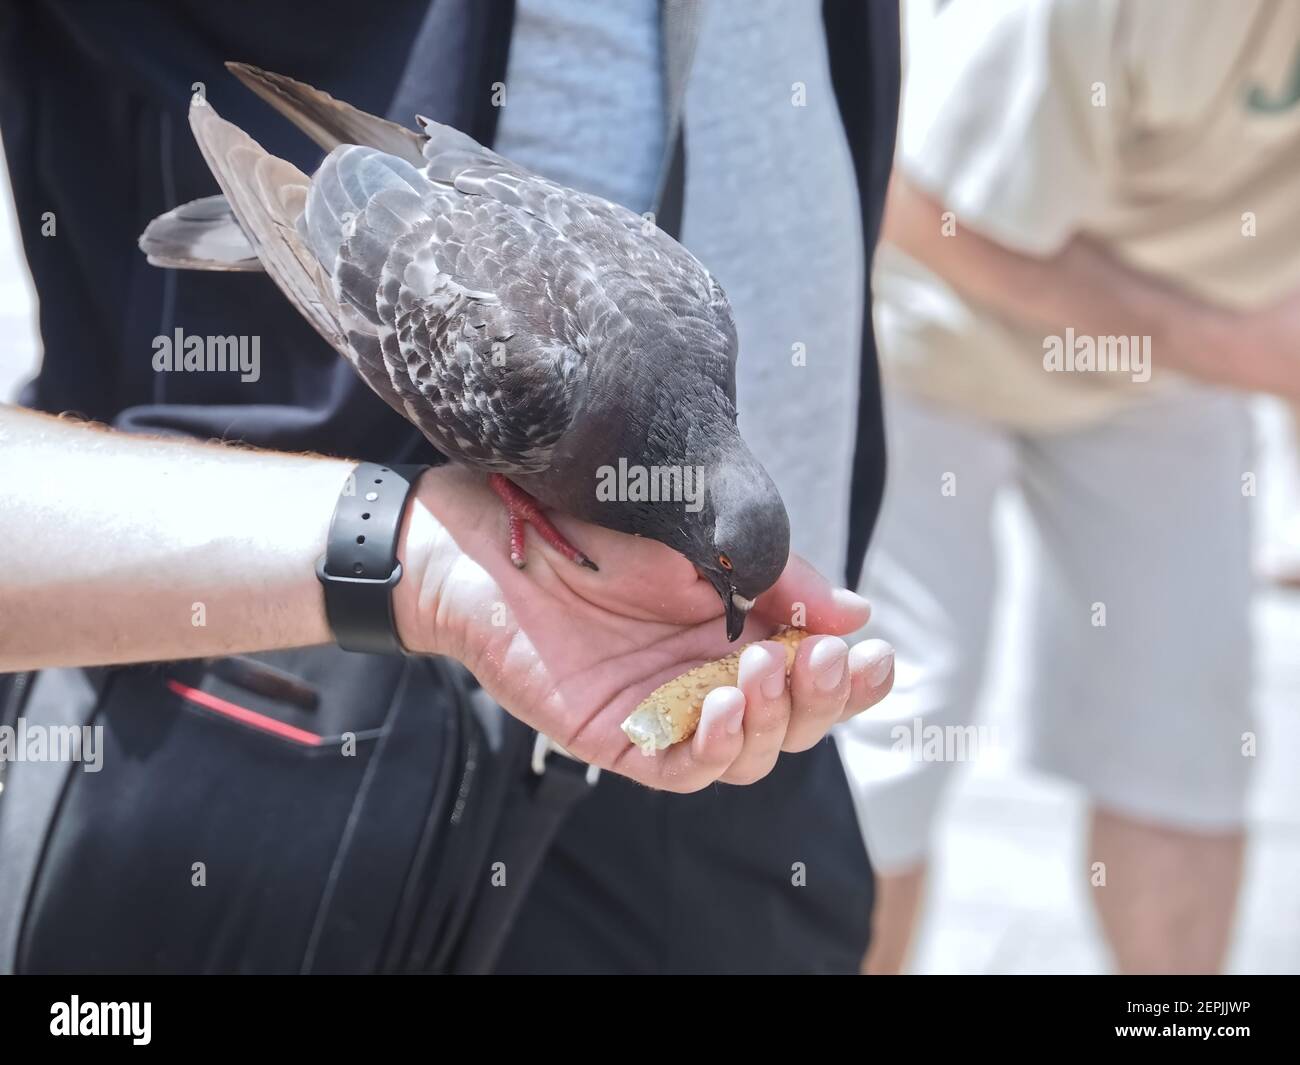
{"x":769,"y":878}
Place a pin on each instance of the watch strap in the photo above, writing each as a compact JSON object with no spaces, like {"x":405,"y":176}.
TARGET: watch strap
{"x":360,"y":568}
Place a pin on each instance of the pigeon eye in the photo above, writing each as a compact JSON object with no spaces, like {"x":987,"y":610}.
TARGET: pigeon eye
{"x":724,"y":562}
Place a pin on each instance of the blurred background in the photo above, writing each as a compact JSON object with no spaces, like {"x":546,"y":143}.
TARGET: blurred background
{"x":1007,"y":133}
{"x":1009,"y":894}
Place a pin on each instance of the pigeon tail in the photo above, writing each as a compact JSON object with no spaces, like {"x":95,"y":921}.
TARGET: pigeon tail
{"x":203,"y":234}
{"x":267,"y":195}
{"x":330,"y":123}
{"x":327,"y":121}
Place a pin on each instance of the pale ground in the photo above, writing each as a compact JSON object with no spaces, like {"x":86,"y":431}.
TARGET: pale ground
{"x":1008,"y":895}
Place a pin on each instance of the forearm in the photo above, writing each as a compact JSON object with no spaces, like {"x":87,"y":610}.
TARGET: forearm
{"x":1086,"y":288}
{"x":121,"y":549}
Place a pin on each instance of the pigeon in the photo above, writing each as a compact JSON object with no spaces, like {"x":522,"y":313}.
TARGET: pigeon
{"x":560,"y":343}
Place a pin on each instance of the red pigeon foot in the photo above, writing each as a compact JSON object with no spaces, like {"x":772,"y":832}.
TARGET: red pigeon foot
{"x":523,"y":510}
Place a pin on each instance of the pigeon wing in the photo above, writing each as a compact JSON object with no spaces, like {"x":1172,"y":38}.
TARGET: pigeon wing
{"x":622,"y":245}
{"x":468,"y":309}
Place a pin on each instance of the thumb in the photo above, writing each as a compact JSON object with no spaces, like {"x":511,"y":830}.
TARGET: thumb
{"x":803,"y":597}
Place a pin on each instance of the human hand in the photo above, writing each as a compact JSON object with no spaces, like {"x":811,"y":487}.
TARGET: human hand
{"x":572,"y":652}
{"x":1256,"y":350}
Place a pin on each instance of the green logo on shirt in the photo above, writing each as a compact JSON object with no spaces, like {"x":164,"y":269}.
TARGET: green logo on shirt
{"x":1258,"y":99}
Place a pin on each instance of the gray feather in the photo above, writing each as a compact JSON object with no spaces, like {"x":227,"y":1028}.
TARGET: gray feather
{"x":199,"y":235}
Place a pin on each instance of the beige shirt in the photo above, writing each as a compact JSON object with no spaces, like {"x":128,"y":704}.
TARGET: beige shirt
{"x":1169,"y":130}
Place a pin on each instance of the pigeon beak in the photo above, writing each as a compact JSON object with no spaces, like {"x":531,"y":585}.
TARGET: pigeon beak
{"x":738,"y":608}
{"x":734,"y":605}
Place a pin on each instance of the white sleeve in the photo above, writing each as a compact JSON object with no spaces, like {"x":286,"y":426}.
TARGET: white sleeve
{"x":1011,"y":115}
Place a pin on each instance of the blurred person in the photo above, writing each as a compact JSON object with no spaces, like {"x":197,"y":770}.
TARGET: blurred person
{"x":789,"y":173}
{"x":1091,"y":256}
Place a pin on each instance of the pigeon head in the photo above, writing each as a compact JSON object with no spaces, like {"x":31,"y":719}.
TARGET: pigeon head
{"x":740,"y":540}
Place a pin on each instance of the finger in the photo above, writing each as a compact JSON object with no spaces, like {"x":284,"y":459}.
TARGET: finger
{"x":871,"y":667}
{"x":819,"y":688}
{"x":802,"y":597}
{"x":691,"y":766}
{"x":767,"y":712}
{"x":720,"y":736}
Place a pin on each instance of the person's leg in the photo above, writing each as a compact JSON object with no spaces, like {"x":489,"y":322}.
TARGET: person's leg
{"x":1172,"y":896}
{"x":930,"y":577}
{"x":1143,"y":663}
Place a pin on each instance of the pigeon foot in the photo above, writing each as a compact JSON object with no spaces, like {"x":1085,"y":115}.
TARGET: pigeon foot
{"x":523,"y":510}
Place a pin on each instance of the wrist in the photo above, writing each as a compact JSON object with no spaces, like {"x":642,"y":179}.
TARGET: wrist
{"x":1227,"y":347}
{"x":426,"y":552}
{"x":1216,"y":336}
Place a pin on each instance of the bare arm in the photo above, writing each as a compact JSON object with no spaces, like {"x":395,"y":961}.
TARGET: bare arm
{"x":1085,"y":287}
{"x":114,"y":546}
{"x":120,"y":548}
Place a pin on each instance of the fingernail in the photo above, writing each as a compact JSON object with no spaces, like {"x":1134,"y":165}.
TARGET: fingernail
{"x":828,"y":659}
{"x":847,"y":600}
{"x":755,"y":667}
{"x":726,"y":706}
{"x":878,"y":659}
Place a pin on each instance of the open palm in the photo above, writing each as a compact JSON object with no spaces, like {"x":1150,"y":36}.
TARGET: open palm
{"x":572,"y":652}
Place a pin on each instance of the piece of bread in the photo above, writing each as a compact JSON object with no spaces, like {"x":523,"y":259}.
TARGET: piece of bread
{"x":671,"y":713}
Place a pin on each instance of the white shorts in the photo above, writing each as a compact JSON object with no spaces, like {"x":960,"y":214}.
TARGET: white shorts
{"x":1140,"y":661}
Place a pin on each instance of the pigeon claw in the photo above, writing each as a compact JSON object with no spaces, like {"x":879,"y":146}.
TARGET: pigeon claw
{"x":523,"y":510}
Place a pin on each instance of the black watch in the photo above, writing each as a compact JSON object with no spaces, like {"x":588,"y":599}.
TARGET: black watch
{"x":359,"y":568}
